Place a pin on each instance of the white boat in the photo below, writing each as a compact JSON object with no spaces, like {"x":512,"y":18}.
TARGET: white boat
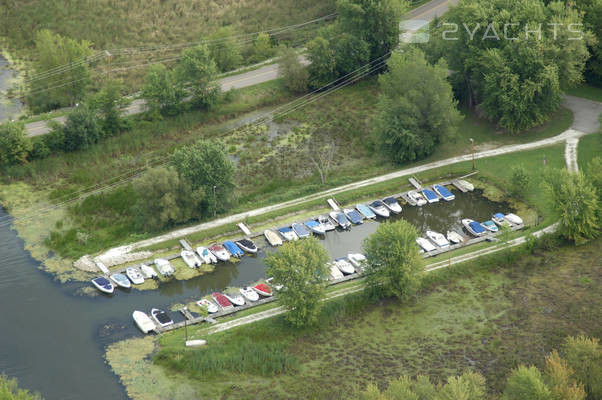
{"x":315,"y":226}
{"x":164,"y":267}
{"x":358,"y":260}
{"x":247,"y":245}
{"x":430,"y":196}
{"x":341,"y":219}
{"x":143,"y":321}
{"x":190,"y":259}
{"x":210,"y":306}
{"x":272,"y":238}
{"x":467,"y":185}
{"x":379,"y":208}
{"x":135,"y":275}
{"x":148,"y":271}
{"x":335,"y":273}
{"x":444,"y":192}
{"x":206,"y":256}
{"x":417,"y":197}
{"x":344,"y":266}
{"x":103,"y":284}
{"x":161,"y":317}
{"x":437,"y":238}
{"x":249,"y":294}
{"x":235,"y":299}
{"x":392,"y":204}
{"x":454,"y":237}
{"x":220,"y":252}
{"x":513,"y":219}
{"x":499,"y":219}
{"x":326,"y":223}
{"x":288,"y":233}
{"x":425,"y":244}
{"x":490,"y":226}
{"x":473,"y":227}
{"x":121,"y":280}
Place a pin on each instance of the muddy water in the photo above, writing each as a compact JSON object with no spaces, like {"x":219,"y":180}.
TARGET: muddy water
{"x":9,"y":108}
{"x":53,"y":341}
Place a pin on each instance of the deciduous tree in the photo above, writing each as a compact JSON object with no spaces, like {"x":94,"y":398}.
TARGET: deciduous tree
{"x":224,"y":49}
{"x":81,"y":129}
{"x":584,"y":356}
{"x":162,"y":91}
{"x":262,"y":48}
{"x":109,"y":103}
{"x":291,"y":70}
{"x":526,"y":383}
{"x":14,"y":144}
{"x":322,"y":69}
{"x":197,"y":71}
{"x":559,"y":377}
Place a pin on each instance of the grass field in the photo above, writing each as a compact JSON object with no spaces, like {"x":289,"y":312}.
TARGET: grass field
{"x":587,"y":92}
{"x":487,"y":317}
{"x":589,"y":147}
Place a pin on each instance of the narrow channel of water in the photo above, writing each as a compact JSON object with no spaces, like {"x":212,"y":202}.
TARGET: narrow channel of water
{"x":53,"y":341}
{"x":9,"y":108}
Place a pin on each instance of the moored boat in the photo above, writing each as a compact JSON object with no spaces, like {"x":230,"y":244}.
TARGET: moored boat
{"x":190,"y":259}
{"x":222,"y":301}
{"x":205,"y":255}
{"x":344,"y":266}
{"x":263,"y":289}
{"x":121,"y":280}
{"x":143,"y":321}
{"x":220,"y":252}
{"x":379,"y":208}
{"x":358,"y":260}
{"x":235,"y":299}
{"x":444,"y":192}
{"x":354,"y":216}
{"x":103,"y":284}
{"x":437,"y":238}
{"x":164,"y":267}
{"x":272,"y":238}
{"x":249,"y":294}
{"x":300,"y":230}
{"x":326,"y":223}
{"x":134,"y":275}
{"x":288,"y":233}
{"x":467,"y":185}
{"x":392,"y":204}
{"x":513,"y":219}
{"x":417,"y":197}
{"x":148,"y":271}
{"x":365,"y":211}
{"x":454,"y":237}
{"x":340,"y":219}
{"x":499,"y":219}
{"x":490,"y":226}
{"x":315,"y":227}
{"x":430,"y":196}
{"x":210,"y":306}
{"x":335,"y":272}
{"x":247,"y":245}
{"x":475,"y":228}
{"x":233,"y":248}
{"x":161,"y":317}
{"x":425,"y":244}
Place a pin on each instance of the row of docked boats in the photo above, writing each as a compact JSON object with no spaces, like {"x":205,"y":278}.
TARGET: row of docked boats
{"x":340,"y":267}
{"x":228,"y":300}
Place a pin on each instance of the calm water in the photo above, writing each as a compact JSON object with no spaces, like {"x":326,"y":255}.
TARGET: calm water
{"x":53,"y":341}
{"x":9,"y":108}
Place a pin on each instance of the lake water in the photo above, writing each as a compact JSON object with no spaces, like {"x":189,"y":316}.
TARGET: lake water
{"x":9,"y":108}
{"x":53,"y":340}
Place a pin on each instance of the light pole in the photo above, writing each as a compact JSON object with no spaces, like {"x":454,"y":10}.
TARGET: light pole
{"x":108,"y":56}
{"x":472,"y":142}
{"x":214,"y":202}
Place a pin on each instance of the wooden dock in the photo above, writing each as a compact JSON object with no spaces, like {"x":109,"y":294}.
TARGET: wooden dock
{"x":415,"y":182}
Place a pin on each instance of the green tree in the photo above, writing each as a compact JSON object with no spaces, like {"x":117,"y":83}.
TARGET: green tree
{"x":469,"y":386}
{"x":163,"y":199}
{"x":293,"y":73}
{"x":162,"y":91}
{"x":198,"y":71}
{"x":416,"y":108}
{"x":14,"y":144}
{"x":262,"y":48}
{"x":9,"y":390}
{"x":526,"y":383}
{"x":205,"y":165}
{"x":61,"y":72}
{"x":520,"y":179}
{"x":224,"y":49}
{"x":395,"y":267}
{"x":322,"y":69}
{"x":584,"y":357}
{"x":300,"y":267}
{"x":351,"y":53}
{"x":108,"y":103}
{"x":81,"y":129}
{"x":559,"y":377}
{"x":592,"y":18}
{"x":594,"y":175}
{"x":575,"y":201}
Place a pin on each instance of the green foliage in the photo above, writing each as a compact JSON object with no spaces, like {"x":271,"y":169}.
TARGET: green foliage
{"x":351,"y":53}
{"x":592,"y":19}
{"x":162,"y":90}
{"x":81,"y":129}
{"x":559,"y":377}
{"x":300,"y":266}
{"x":9,"y":390}
{"x":262,"y":48}
{"x":205,"y":166}
{"x":163,"y":199}
{"x":594,"y":174}
{"x":520,"y":179}
{"x":584,"y":356}
{"x":416,"y":108}
{"x":323,"y":64}
{"x":575,"y":201}
{"x":526,"y":383}
{"x":66,"y":87}
{"x":293,"y":73}
{"x":395,"y":267}
{"x":469,"y":385}
{"x":108,"y":103}
{"x":224,"y":49}
{"x":14,"y":145}
{"x":197,"y":70}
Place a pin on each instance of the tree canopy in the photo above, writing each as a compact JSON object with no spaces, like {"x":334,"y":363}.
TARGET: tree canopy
{"x":162,"y":90}
{"x":81,"y":129}
{"x":197,"y":71}
{"x":291,"y":70}
{"x":224,"y":49}
{"x":9,"y":390}
{"x":14,"y":144}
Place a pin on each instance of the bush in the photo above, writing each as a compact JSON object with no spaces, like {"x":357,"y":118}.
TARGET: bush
{"x":520,"y":180}
{"x":14,"y":144}
{"x":526,"y":383}
{"x":81,"y":129}
{"x":584,"y":356}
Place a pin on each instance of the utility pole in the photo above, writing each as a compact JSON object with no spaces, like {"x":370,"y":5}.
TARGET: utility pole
{"x":472,"y":141}
{"x":108,"y":55}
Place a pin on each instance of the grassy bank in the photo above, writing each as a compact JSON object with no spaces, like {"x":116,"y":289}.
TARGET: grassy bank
{"x":486,"y":316}
{"x":589,"y":147}
{"x":587,"y":92}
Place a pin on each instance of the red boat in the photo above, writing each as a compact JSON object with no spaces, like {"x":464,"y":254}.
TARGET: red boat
{"x":263,"y":289}
{"x":222,"y":301}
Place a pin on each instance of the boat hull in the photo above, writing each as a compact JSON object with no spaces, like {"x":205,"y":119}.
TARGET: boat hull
{"x":143,"y":322}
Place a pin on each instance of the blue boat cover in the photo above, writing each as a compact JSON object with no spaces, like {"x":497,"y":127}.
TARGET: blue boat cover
{"x":476,"y":227}
{"x":498,"y":215}
{"x":377,"y":203}
{"x":285,"y":229}
{"x":300,"y":230}
{"x":443,"y":191}
{"x":233,"y":248}
{"x":355,"y":217}
{"x":102,"y":281}
{"x":342,"y":219}
{"x":365,"y":210}
{"x":429,"y":194}
{"x":312,"y":223}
